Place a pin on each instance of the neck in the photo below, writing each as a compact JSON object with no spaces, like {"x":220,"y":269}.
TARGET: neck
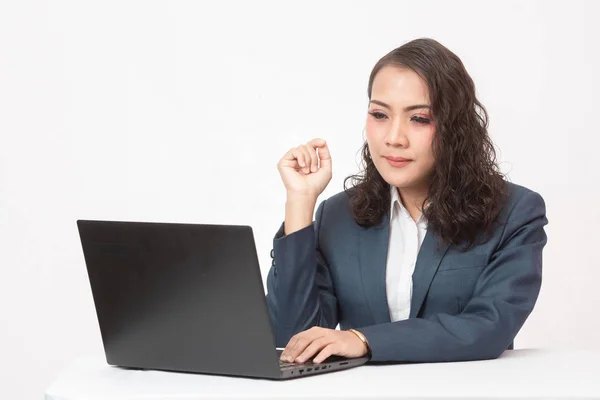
{"x":412,"y":200}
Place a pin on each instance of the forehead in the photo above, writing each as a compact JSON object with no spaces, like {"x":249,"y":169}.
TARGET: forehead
{"x":399,"y":87}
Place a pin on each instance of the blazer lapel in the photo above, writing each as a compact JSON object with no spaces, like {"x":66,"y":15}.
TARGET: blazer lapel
{"x":372,"y":255}
{"x":428,"y":261}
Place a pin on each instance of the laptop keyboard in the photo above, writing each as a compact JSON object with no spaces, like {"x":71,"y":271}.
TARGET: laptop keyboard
{"x":287,"y":364}
{"x":309,"y":363}
{"x":283,"y":364}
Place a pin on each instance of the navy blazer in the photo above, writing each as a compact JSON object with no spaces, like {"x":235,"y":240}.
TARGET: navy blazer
{"x":465,"y":305}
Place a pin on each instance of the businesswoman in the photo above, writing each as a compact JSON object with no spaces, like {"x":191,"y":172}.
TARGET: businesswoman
{"x":430,"y":255}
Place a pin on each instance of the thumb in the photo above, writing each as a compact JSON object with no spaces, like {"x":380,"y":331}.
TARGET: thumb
{"x":324,"y":155}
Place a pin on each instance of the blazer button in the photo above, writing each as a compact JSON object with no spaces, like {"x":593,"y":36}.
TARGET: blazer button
{"x":272,"y":253}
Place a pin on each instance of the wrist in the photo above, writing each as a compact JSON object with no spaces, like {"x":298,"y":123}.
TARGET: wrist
{"x":364,"y":340}
{"x":301,"y":198}
{"x":298,"y":213}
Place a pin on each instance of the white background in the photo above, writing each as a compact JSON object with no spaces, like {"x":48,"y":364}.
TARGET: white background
{"x":179,"y":111}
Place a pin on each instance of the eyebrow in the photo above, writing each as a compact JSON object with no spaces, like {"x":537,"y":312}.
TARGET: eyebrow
{"x":406,"y":109}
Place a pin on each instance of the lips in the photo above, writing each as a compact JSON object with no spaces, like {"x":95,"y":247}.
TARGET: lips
{"x":398,"y":162}
{"x":398,"y":159}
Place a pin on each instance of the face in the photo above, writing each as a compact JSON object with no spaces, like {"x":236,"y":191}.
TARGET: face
{"x":399,"y":125}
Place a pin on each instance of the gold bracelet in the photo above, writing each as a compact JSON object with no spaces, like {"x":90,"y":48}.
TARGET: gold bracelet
{"x":362,"y":339}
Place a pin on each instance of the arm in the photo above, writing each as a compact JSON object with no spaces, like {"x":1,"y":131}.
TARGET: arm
{"x":300,"y":290}
{"x":503,"y":298}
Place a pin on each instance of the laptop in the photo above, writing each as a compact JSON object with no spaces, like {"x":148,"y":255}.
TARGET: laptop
{"x":185,"y":297}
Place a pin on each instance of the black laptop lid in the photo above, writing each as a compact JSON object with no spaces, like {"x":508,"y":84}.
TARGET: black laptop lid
{"x":179,"y":297}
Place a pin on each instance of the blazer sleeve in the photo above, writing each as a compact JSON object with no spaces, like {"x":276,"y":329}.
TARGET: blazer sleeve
{"x":300,"y":291}
{"x":503,"y":298}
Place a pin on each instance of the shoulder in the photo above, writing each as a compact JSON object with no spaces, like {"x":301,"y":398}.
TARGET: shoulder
{"x":337,"y":201}
{"x":521,"y":200}
{"x":334,"y":212}
{"x":523,"y":215}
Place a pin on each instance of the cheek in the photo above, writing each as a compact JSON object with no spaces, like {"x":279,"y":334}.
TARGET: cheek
{"x":371,"y":128}
{"x":425,"y":145}
{"x":371,"y":132}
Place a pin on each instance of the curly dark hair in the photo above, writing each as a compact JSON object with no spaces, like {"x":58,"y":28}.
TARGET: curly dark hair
{"x":467,"y":191}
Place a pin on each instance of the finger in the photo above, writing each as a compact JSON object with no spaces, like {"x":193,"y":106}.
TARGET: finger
{"x":292,"y":155}
{"x":316,"y":142}
{"x":300,"y":156}
{"x":295,"y":346}
{"x":285,"y":354}
{"x":319,"y":144}
{"x":300,"y":341}
{"x":305,"y":157}
{"x":312,"y":349}
{"x":326,"y":352}
{"x":289,"y":162}
{"x":294,"y":158}
{"x":298,"y":348}
{"x":314,"y":159}
{"x":324,"y":156}
{"x":308,"y":337}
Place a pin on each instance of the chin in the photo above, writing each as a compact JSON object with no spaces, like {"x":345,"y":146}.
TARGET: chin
{"x":401,"y":178}
{"x":397,"y":179}
{"x":400,"y":183}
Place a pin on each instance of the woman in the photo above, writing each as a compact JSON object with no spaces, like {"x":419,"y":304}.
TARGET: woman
{"x":431,"y":255}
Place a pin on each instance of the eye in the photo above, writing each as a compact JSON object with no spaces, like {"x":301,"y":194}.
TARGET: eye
{"x":420,"y":120}
{"x":377,"y":115}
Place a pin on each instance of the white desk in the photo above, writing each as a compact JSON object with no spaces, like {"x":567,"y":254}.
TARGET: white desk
{"x":517,"y":374}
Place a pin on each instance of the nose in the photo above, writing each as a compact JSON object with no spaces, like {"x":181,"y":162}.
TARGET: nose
{"x":396,"y":136}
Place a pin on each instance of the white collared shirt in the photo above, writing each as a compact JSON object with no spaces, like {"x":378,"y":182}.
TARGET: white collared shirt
{"x":406,"y":237}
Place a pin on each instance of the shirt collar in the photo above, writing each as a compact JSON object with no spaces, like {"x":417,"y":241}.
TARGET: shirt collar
{"x":395,"y":196}
{"x":395,"y":199}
